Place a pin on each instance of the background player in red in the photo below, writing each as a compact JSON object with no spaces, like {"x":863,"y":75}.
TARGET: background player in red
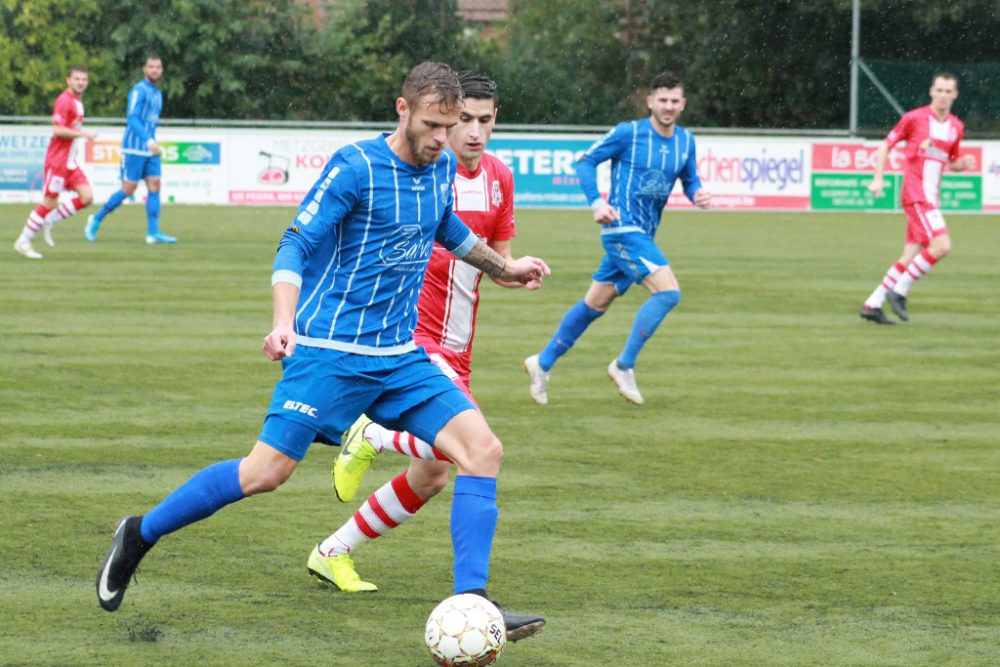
{"x":61,"y":169}
{"x":484,"y":199}
{"x":932,"y":135}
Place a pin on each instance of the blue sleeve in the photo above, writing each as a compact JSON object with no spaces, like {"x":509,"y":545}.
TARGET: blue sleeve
{"x":455,"y":235}
{"x":607,"y":147}
{"x":133,"y":114}
{"x":689,"y":172}
{"x":324,"y":208}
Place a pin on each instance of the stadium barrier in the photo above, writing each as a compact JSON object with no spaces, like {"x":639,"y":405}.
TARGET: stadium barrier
{"x":277,"y":166}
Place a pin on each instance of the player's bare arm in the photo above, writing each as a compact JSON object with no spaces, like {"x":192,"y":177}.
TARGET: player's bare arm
{"x":280,"y":343}
{"x":70,"y":133}
{"x":962,"y":163}
{"x":878,"y":184}
{"x":489,"y":261}
{"x":64,"y":132}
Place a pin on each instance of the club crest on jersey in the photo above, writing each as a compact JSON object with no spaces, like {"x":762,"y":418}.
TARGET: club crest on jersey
{"x":497,"y":194}
{"x":445,"y":192}
{"x":406,"y":250}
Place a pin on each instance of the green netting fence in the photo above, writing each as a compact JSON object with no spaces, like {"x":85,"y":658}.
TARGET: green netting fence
{"x":978,"y":103}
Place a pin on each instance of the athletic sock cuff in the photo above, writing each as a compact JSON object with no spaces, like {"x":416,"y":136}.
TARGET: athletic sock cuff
{"x":476,"y":486}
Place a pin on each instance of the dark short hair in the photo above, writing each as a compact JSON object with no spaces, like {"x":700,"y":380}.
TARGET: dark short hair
{"x":666,"y":80}
{"x":945,"y":75}
{"x":478,"y":86}
{"x":152,"y":55}
{"x":430,"y":78}
{"x":77,"y":68}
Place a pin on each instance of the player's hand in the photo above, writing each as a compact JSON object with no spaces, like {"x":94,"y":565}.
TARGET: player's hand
{"x":606,"y":214}
{"x":527,"y":270}
{"x":154,"y":148}
{"x":877,"y":186}
{"x":280,"y":343}
{"x":702,"y":199}
{"x":963,"y":163}
{"x":90,"y":135}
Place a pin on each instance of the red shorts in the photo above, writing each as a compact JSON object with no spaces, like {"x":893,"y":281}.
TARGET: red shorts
{"x":58,"y":179}
{"x":453,"y":364}
{"x":923,"y":222}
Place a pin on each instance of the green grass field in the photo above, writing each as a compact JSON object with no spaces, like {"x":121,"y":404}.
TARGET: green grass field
{"x":801,"y":488}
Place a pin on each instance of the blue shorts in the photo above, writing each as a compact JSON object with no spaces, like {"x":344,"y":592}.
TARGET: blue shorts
{"x":628,"y":259}
{"x":325,"y":391}
{"x":138,"y":167}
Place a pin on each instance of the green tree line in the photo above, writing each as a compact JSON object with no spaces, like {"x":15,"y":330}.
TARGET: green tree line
{"x":747,"y":63}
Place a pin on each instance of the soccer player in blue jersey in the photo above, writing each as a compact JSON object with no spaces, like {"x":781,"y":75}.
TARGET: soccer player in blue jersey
{"x":346,"y":279}
{"x":647,"y":157}
{"x":140,"y":154}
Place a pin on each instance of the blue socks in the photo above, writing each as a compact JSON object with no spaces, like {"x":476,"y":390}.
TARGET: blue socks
{"x":647,"y":319}
{"x":210,"y":490}
{"x":574,"y":323}
{"x":153,"y":213}
{"x":114,"y":201}
{"x":473,"y":522}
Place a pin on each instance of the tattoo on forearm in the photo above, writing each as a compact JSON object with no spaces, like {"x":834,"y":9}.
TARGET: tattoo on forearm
{"x":486,"y":259}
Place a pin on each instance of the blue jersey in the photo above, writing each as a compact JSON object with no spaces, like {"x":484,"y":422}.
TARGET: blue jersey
{"x":359,"y":246}
{"x":644,"y":167}
{"x":145,"y":102}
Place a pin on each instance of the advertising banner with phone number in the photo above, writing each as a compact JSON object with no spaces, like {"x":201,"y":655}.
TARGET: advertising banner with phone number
{"x":277,"y":167}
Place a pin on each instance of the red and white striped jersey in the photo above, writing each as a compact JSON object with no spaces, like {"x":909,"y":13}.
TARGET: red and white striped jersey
{"x":68,"y":112}
{"x":930,"y":145}
{"x":484,"y":200}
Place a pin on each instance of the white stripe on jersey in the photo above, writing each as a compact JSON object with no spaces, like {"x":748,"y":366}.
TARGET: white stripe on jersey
{"x":631,"y":168}
{"x":369,"y":350}
{"x":457,"y":330}
{"x":677,"y":155}
{"x":361,"y":251}
{"x":932,"y":180}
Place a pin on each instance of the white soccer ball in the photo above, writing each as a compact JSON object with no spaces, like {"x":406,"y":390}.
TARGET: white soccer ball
{"x":466,"y":630}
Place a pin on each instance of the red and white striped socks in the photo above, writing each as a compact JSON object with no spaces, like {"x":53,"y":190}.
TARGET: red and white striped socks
{"x":877,"y":297}
{"x":63,"y":211}
{"x":36,"y":219}
{"x":393,"y":504}
{"x":917,"y":269}
{"x":401,"y":442}
{"x":43,"y":216}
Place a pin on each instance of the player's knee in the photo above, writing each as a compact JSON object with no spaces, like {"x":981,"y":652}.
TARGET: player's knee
{"x":128,"y":188}
{"x":488,"y":451}
{"x":941,"y":246}
{"x":86,"y":200}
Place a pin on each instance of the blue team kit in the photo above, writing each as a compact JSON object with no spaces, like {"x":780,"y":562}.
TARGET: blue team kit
{"x":358,"y":248}
{"x":645,"y":167}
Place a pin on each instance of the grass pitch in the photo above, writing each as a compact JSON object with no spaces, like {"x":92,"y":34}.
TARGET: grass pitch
{"x":801,"y":487}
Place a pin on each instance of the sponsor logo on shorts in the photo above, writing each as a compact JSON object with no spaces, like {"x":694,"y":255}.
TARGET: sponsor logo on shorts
{"x":296,"y":406}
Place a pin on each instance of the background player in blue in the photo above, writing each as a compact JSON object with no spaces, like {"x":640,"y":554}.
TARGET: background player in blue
{"x":346,"y":280}
{"x":647,"y":157}
{"x":140,"y":154}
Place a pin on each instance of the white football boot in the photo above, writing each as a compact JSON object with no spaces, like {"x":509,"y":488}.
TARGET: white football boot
{"x":539,"y":380}
{"x":624,"y":379}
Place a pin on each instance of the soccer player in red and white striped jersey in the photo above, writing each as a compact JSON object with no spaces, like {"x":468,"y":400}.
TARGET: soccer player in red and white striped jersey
{"x":446,"y":324}
{"x":932,"y":135}
{"x":62,"y":172}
